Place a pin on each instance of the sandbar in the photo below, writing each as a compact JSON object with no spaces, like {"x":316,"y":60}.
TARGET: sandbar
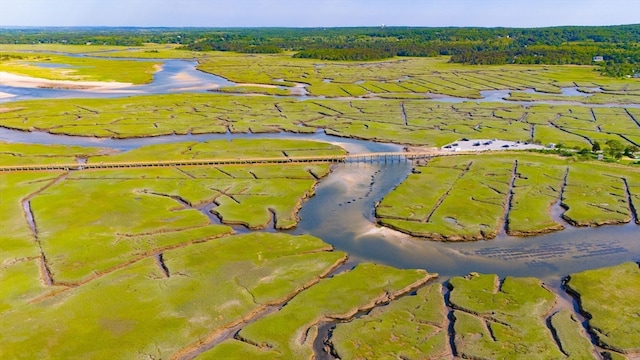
{"x":14,"y":80}
{"x":266,"y":86}
{"x":4,"y":95}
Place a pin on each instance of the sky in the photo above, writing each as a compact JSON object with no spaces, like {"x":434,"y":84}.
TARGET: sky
{"x":318,"y":13}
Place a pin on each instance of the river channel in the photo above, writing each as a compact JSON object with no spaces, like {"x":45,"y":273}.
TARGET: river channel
{"x":182,"y":76}
{"x":342,"y":210}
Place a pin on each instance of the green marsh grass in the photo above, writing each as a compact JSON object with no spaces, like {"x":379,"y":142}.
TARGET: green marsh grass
{"x":138,"y":310}
{"x":456,"y":205}
{"x":288,"y":333}
{"x":80,"y":68}
{"x":403,"y":121}
{"x":595,"y":196}
{"x":469,"y":209}
{"x":139,"y":211}
{"x":611,"y":298}
{"x":17,"y":238}
{"x":571,"y":335}
{"x":411,"y":327}
{"x":497,"y":318}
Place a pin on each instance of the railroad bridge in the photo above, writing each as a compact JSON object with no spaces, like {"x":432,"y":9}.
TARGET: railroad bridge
{"x":352,"y":158}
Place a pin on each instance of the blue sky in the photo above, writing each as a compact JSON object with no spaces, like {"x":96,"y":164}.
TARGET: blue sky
{"x":318,"y":13}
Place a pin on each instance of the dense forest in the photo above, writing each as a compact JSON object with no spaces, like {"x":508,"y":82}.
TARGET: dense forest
{"x":617,"y":48}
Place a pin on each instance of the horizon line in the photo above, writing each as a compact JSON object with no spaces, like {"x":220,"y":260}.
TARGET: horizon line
{"x":293,"y":27}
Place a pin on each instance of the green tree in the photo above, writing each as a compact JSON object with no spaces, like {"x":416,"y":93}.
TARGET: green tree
{"x":615,"y":148}
{"x":630,"y":150}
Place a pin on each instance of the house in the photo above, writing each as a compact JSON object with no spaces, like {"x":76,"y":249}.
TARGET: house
{"x":598,"y":58}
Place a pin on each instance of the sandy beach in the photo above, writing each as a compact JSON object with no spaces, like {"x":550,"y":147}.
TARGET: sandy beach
{"x":14,"y":80}
{"x":5,"y":95}
{"x":266,"y":86}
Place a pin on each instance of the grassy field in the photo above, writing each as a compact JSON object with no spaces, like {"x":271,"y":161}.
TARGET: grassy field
{"x":160,"y":280}
{"x":145,"y":263}
{"x":610,"y":297}
{"x":467,"y":209}
{"x":22,"y":154}
{"x":288,"y":333}
{"x":138,"y":311}
{"x":466,"y":197}
{"x":570,"y":333}
{"x":420,"y":76}
{"x":60,"y":67}
{"x":502,"y":318}
{"x":409,"y":121}
{"x":141,"y":211}
{"x":122,"y":252}
{"x":596,"y":197}
{"x":411,"y":327}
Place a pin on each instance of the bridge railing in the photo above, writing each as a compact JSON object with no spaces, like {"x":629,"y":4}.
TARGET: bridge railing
{"x":352,"y":158}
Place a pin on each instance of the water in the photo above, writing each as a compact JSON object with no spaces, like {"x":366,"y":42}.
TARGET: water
{"x":181,"y":76}
{"x":354,"y":146}
{"x":342,"y":212}
{"x":350,"y":227}
{"x":51,"y":65}
{"x":176,"y":76}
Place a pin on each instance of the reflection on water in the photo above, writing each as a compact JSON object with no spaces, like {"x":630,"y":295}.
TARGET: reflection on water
{"x":176,"y":76}
{"x":349,"y":227}
{"x":341,"y":213}
{"x":181,"y":76}
{"x":353,"y":146}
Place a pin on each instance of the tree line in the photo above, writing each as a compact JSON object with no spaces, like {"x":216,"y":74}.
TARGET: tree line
{"x":580,"y":45}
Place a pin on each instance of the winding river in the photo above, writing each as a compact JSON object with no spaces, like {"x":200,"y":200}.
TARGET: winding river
{"x":341,"y":212}
{"x":182,"y":76}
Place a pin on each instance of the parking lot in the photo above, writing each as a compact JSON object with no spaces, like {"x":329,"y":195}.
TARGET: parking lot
{"x":488,"y":144}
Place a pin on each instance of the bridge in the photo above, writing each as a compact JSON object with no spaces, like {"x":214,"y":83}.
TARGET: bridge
{"x":352,"y":158}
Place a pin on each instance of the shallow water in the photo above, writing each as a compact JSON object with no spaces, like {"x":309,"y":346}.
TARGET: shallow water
{"x":341,"y":213}
{"x":181,"y":76}
{"x":39,"y":137}
{"x":176,"y":76}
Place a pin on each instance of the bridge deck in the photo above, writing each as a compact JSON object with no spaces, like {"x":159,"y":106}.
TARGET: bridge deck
{"x":368,"y":157}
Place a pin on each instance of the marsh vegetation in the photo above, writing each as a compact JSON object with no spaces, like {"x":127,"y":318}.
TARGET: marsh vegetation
{"x":200,"y":262}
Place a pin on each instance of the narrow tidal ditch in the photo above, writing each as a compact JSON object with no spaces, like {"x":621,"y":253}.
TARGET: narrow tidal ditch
{"x":45,"y":273}
{"x":231,"y":331}
{"x":352,"y":227}
{"x":509,"y":200}
{"x":558,"y":209}
{"x":161,"y":264}
{"x":632,"y":208}
{"x":451,"y":334}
